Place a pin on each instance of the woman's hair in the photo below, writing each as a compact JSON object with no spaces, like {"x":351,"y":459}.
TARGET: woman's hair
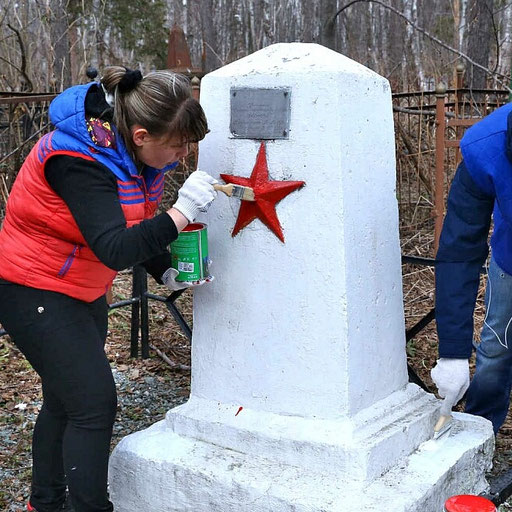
{"x":160,"y":102}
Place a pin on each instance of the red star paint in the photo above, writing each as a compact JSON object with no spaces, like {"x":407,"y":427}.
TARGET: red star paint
{"x":189,"y":253}
{"x":267,"y":193}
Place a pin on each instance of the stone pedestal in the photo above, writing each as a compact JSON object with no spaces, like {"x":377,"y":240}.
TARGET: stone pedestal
{"x":299,"y":397}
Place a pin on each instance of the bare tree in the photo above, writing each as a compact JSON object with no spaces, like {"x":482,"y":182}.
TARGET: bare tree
{"x":411,"y":42}
{"x":59,"y":25}
{"x":459,"y":9}
{"x":504,"y":49}
{"x":210,"y":57}
{"x":480,"y":24}
{"x":328,"y":9}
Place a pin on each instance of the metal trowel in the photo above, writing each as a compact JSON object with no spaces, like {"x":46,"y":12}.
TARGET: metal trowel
{"x":443,"y":426}
{"x":445,"y":421}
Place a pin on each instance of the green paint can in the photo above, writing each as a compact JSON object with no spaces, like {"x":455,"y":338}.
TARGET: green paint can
{"x":189,"y":253}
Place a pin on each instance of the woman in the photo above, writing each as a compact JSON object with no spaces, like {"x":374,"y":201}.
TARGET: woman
{"x":82,"y":208}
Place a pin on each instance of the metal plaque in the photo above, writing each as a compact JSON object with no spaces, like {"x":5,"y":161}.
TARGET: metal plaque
{"x":260,"y":114}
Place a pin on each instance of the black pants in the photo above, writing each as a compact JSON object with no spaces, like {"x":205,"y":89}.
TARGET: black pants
{"x":63,"y":339}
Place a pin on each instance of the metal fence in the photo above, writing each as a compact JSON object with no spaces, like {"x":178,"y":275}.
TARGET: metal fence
{"x":428,"y":129}
{"x":23,"y":119}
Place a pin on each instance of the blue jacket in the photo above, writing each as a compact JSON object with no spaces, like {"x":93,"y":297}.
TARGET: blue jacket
{"x":481,"y":189}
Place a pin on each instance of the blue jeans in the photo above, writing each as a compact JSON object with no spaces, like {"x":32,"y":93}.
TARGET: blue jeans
{"x":489,"y":392}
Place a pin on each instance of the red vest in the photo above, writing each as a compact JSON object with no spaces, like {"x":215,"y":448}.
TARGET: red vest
{"x":40,"y":243}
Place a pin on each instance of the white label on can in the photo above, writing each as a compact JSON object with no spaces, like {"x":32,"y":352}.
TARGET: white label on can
{"x":185,"y":266}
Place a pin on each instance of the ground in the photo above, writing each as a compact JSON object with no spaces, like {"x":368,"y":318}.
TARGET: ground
{"x":148,"y":388}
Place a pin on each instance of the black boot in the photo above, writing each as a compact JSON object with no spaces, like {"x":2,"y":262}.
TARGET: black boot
{"x":66,"y":506}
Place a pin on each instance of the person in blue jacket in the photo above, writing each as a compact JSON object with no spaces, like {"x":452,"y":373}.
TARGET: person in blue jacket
{"x":481,"y":190}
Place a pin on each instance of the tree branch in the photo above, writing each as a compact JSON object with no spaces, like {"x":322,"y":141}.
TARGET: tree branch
{"x":429,"y":35}
{"x":23,"y":143}
{"x":3,"y":59}
{"x":169,"y":361}
{"x":496,"y":37}
{"x":23,"y":69}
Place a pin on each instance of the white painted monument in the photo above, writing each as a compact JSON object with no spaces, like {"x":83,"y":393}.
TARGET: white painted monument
{"x":299,"y":398}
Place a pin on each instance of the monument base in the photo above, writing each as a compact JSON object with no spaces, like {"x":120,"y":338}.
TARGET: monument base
{"x":159,"y":469}
{"x":364,"y":445}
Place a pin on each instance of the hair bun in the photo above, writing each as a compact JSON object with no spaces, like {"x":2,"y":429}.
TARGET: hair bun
{"x":129,"y":81}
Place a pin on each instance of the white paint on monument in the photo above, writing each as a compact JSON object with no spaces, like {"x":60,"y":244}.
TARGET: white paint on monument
{"x":307,"y":337}
{"x":298,"y":328}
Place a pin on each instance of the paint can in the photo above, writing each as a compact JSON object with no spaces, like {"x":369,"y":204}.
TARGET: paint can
{"x":468,"y":503}
{"x":189,"y":253}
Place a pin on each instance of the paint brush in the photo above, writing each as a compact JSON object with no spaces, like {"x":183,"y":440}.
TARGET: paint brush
{"x":238,"y":191}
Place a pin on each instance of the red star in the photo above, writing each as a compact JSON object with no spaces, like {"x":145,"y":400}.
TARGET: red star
{"x":267,"y":194}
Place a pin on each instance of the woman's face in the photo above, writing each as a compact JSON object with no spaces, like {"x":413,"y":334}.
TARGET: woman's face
{"x":158,"y":152}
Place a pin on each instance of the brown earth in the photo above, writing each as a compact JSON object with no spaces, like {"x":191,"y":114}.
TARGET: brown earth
{"x":148,"y":388}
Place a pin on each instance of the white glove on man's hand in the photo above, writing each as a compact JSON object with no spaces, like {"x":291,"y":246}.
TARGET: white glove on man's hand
{"x":196,"y":195}
{"x":451,"y":377}
{"x":169,"y":279}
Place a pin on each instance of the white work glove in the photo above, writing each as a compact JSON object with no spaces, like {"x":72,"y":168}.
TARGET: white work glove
{"x":169,"y":279}
{"x":451,"y":376}
{"x":196,"y":195}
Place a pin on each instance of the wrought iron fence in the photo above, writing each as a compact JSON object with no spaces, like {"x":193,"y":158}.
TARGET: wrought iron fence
{"x":428,"y":129}
{"x":23,"y":118}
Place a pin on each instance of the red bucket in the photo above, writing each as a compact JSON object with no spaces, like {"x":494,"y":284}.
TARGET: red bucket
{"x":468,"y":503}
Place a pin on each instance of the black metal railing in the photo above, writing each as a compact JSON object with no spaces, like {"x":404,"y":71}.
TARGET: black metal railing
{"x":425,"y":320}
{"x":140,"y":310}
{"x":139,"y":322}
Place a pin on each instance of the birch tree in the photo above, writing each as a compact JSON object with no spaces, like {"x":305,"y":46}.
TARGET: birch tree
{"x":45,"y":42}
{"x":504,"y":14}
{"x":413,"y":40}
